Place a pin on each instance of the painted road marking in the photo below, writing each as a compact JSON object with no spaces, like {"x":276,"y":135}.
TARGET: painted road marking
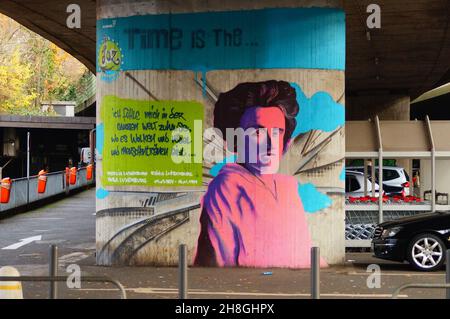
{"x":42,"y":218}
{"x":72,"y":258}
{"x":395,"y":274}
{"x":23,"y":242}
{"x":233,"y":293}
{"x":30,"y":255}
{"x":13,"y":287}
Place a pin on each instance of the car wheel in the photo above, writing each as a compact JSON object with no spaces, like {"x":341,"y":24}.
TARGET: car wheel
{"x":426,"y":252}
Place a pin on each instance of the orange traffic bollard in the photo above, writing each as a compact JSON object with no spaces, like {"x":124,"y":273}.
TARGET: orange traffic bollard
{"x":73,"y":176}
{"x":89,"y":170}
{"x":67,"y":176}
{"x":42,"y":181}
{"x":5,"y":190}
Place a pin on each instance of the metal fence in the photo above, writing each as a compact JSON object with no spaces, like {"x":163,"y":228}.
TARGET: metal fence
{"x":56,"y":184}
{"x":360,"y":225}
{"x":89,"y":91}
{"x":53,"y":277}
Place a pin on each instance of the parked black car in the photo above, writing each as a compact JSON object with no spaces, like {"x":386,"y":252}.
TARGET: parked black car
{"x":422,"y":240}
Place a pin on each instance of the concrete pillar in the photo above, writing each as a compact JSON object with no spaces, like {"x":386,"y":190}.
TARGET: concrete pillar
{"x":386,"y":106}
{"x":149,"y":54}
{"x":442,"y":177}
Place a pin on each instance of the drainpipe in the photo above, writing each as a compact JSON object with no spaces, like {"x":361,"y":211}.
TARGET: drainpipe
{"x":433,"y":165}
{"x":92,"y":144}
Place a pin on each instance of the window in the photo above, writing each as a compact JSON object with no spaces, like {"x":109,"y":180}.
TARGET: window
{"x":351,"y":183}
{"x":388,"y":174}
{"x":406,"y":175}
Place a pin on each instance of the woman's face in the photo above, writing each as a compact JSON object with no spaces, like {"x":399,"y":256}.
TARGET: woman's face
{"x":265,"y":137}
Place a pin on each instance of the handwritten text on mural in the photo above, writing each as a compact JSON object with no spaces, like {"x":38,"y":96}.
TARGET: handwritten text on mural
{"x":141,"y":142}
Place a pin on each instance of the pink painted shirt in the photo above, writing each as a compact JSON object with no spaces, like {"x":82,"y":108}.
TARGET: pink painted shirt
{"x":243,"y":223}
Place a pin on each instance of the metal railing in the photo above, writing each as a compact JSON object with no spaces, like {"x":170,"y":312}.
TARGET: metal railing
{"x":315,"y":276}
{"x":89,"y":90}
{"x":183,"y":273}
{"x":315,"y":273}
{"x":53,"y":277}
{"x":426,"y":286}
{"x":446,"y":286}
{"x":56,"y":184}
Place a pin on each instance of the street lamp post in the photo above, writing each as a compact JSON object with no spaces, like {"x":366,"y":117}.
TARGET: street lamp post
{"x":28,"y":167}
{"x":2,"y":167}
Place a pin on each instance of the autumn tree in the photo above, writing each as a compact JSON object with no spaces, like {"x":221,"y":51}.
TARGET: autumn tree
{"x":15,"y":92}
{"x":34,"y":70}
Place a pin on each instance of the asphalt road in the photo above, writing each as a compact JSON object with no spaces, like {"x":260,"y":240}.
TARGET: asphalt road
{"x":70,"y":224}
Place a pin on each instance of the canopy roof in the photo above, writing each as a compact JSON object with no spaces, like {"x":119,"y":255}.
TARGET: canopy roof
{"x":408,"y":139}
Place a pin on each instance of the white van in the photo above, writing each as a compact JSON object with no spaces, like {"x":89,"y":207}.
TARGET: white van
{"x":85,"y":155}
{"x":354,"y":184}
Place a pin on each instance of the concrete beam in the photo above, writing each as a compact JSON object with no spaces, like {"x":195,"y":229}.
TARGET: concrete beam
{"x":51,"y":122}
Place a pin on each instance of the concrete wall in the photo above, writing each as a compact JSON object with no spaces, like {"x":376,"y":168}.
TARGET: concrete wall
{"x":63,"y":108}
{"x":120,"y":208}
{"x":442,"y":176}
{"x":387,"y":107}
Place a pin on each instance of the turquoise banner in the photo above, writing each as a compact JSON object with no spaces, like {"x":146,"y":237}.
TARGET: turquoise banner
{"x":309,"y":38}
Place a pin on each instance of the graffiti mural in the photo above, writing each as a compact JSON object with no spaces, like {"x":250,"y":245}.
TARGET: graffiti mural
{"x":261,"y":145}
{"x":247,"y":203}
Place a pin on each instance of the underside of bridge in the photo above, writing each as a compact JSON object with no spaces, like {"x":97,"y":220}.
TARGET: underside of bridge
{"x":48,"y":19}
{"x":406,"y":57}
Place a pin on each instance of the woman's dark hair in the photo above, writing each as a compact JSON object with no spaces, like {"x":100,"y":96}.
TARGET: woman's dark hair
{"x":231,"y":105}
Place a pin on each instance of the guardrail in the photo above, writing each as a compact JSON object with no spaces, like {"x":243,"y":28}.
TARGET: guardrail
{"x":53,"y":277}
{"x":430,"y":286}
{"x":56,"y":184}
{"x":426,"y":286}
{"x":123,"y":294}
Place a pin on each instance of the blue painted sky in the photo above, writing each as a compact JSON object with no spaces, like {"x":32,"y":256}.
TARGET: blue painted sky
{"x":217,"y":167}
{"x":313,"y":200}
{"x":100,"y":138}
{"x":101,"y":193}
{"x":320,"y":112}
{"x":342,"y":175}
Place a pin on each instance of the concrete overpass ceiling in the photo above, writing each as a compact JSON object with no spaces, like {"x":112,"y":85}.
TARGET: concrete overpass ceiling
{"x":408,"y":55}
{"x":48,"y":19}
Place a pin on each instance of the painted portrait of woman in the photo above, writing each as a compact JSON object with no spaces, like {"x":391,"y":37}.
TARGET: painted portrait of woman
{"x":252,"y":216}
